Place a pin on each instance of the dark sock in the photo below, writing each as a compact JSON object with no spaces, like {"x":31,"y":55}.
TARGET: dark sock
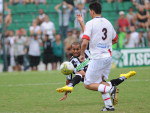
{"x":116,"y":82}
{"x":76,"y":80}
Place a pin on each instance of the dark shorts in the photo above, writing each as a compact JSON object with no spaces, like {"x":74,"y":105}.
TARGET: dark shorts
{"x":48,"y":58}
{"x":19,"y":59}
{"x":57,"y":59}
{"x":34,"y":60}
{"x":8,"y":60}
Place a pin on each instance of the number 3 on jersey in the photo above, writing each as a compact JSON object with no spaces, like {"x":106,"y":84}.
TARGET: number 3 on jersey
{"x":104,"y":30}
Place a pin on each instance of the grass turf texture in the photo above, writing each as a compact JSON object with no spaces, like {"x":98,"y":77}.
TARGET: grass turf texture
{"x":34,"y":92}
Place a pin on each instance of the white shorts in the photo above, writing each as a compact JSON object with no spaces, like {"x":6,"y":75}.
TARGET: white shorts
{"x":97,"y":69}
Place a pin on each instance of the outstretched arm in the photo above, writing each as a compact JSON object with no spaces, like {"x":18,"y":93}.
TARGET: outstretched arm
{"x":81,"y":21}
{"x":83,"y":48}
{"x":64,"y":97}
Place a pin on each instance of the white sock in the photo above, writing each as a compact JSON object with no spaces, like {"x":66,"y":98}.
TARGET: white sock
{"x":122,"y":78}
{"x":103,"y":88}
{"x":107,"y":100}
{"x":70,"y":85}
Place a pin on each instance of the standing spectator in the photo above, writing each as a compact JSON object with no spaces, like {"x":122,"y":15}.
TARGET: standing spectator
{"x":143,"y":18}
{"x":68,"y":41}
{"x":12,"y":49}
{"x":132,"y":38}
{"x":7,"y":14}
{"x":148,"y":38}
{"x":122,"y":22}
{"x":7,"y":48}
{"x":74,"y":32}
{"x":34,"y":52}
{"x":120,"y":44}
{"x":35,"y":29}
{"x":40,"y":18}
{"x":48,"y":56}
{"x":131,"y":16}
{"x":58,"y":50}
{"x":79,"y":11}
{"x":20,"y":42}
{"x":142,"y":39}
{"x":77,"y":34}
{"x":64,"y":15}
{"x":48,"y":27}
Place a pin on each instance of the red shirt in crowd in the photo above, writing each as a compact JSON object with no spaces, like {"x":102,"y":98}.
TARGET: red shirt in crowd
{"x":123,"y":23}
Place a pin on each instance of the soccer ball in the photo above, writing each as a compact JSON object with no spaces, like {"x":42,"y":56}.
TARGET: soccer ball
{"x":67,"y":68}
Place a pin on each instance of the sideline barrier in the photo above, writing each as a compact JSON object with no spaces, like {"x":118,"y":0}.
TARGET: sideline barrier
{"x":136,"y":57}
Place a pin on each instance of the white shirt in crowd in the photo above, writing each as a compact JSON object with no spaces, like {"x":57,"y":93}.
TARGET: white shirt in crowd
{"x":66,"y":16}
{"x":20,"y":45}
{"x":35,"y":29}
{"x":100,"y":32}
{"x":48,"y":28}
{"x":12,"y":47}
{"x":34,"y":47}
{"x":83,"y":13}
{"x":133,"y":40}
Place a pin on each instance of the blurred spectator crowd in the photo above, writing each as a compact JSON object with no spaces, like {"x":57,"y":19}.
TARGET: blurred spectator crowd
{"x":45,"y":43}
{"x":14,"y":2}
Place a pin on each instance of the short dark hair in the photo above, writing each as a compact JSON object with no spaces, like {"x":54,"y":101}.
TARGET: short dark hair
{"x":96,"y":7}
{"x":76,"y":43}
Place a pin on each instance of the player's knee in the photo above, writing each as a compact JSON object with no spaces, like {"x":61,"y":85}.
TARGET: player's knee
{"x":105,"y":83}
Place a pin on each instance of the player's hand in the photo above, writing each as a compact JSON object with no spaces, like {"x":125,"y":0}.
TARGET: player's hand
{"x":82,"y":58}
{"x":79,"y":18}
{"x":64,"y":97}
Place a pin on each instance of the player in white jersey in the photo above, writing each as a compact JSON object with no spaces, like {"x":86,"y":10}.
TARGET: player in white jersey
{"x":100,"y":35}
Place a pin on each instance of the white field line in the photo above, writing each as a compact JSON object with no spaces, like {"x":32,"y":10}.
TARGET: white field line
{"x":43,"y":84}
{"x":36,"y":84}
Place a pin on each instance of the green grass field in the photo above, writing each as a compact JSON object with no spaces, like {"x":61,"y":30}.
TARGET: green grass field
{"x":34,"y":92}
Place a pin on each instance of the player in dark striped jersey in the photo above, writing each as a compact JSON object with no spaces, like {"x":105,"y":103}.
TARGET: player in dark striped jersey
{"x":79,"y":71}
{"x":76,"y":62}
